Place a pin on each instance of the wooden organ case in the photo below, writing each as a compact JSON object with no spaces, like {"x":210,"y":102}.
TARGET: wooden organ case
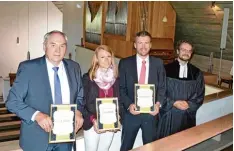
{"x":115,"y":24}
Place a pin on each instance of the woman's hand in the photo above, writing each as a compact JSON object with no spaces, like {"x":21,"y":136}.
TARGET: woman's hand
{"x":114,"y":131}
{"x":95,"y":127}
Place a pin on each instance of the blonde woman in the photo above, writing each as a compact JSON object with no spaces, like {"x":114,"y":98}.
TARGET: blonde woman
{"x":100,"y":82}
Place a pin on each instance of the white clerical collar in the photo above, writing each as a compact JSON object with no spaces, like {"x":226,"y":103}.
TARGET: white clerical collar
{"x":183,"y":69}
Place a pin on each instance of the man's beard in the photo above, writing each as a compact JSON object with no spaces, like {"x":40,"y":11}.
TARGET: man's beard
{"x":184,"y":59}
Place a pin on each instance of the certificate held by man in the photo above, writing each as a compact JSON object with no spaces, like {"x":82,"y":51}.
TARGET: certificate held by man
{"x":145,"y":97}
{"x":63,"y":118}
{"x":107,"y":113}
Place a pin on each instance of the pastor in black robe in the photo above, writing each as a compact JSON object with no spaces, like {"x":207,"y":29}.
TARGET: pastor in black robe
{"x":191,"y":89}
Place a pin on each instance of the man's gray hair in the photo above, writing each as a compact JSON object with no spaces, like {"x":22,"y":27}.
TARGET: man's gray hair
{"x":47,"y":35}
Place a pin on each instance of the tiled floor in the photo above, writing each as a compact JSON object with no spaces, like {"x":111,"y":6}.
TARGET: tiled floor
{"x":14,"y":145}
{"x":10,"y":146}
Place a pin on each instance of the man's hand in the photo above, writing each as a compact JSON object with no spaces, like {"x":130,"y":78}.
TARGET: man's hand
{"x":132,"y":109}
{"x":79,"y":120}
{"x":156,"y":109}
{"x":181,"y":104}
{"x":44,"y":121}
{"x":95,"y":127}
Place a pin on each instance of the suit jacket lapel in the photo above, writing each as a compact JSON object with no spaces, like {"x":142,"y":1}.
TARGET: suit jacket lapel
{"x":45,"y":77}
{"x":151,"y":72}
{"x":69,"y":72}
{"x":134,"y":69}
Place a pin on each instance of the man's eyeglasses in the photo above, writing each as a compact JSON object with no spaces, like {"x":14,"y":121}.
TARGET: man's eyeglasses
{"x":185,"y":50}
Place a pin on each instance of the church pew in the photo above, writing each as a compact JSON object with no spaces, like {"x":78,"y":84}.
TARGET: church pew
{"x":190,"y":137}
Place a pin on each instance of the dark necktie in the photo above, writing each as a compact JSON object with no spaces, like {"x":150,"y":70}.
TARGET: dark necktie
{"x":57,"y":87}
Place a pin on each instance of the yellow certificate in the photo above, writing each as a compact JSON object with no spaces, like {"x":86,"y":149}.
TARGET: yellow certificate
{"x":107,"y":113}
{"x":63,"y":119}
{"x":145,"y":97}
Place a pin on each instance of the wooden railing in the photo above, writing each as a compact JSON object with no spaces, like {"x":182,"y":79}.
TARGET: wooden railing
{"x":190,"y":137}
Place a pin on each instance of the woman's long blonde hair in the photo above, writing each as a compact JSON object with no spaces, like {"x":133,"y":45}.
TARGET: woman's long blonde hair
{"x":94,"y":65}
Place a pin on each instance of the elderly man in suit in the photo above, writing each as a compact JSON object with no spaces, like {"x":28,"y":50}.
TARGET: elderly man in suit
{"x":40,"y":82}
{"x":144,"y":69}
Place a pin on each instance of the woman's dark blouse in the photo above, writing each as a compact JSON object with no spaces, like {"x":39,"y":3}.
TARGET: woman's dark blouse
{"x":91,"y":92}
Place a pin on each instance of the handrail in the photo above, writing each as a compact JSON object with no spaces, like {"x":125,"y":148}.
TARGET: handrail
{"x":190,"y":136}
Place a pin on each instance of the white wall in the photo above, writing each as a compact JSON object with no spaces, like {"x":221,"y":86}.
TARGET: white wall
{"x":14,"y":22}
{"x":202,"y":62}
{"x":73,"y":24}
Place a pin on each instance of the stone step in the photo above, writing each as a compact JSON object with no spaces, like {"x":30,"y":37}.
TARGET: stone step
{"x":9,"y":135}
{"x":9,"y":125}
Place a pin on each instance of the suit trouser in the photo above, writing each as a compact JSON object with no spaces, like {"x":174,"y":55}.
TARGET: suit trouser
{"x":131,"y":125}
{"x":59,"y":147}
{"x":97,"y":142}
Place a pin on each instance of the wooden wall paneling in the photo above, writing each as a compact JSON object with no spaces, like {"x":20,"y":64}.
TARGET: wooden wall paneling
{"x":104,"y":11}
{"x":136,"y":21}
{"x":162,"y":29}
{"x":150,"y":15}
{"x":148,"y":21}
{"x":121,"y":45}
{"x":129,"y":21}
{"x":170,"y":26}
{"x":162,"y":43}
{"x":163,"y":48}
{"x":161,"y":14}
{"x":155,"y":20}
{"x":12,"y":78}
{"x":121,"y":48}
{"x":84,"y":22}
{"x":91,"y":45}
{"x":112,"y":36}
{"x":155,"y":11}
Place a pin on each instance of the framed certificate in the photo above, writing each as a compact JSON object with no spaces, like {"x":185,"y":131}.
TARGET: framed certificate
{"x":107,"y":113}
{"x":145,"y":97}
{"x":63,"y":119}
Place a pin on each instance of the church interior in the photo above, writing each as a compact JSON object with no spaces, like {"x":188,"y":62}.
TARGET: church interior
{"x":88,"y":24}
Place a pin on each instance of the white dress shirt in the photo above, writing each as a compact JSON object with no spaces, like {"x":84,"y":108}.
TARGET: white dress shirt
{"x":65,"y":90}
{"x":63,"y":81}
{"x":139,"y":64}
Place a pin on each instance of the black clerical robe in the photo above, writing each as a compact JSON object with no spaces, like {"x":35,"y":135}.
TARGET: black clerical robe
{"x":191,"y":89}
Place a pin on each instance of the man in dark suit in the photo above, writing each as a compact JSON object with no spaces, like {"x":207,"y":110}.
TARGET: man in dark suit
{"x":144,"y":69}
{"x":40,"y":82}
